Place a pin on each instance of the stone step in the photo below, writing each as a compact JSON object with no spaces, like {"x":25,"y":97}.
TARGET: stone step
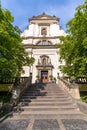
{"x":49,"y":91}
{"x":45,"y":100}
{"x":42,"y":107}
{"x":34,"y":94}
{"x":45,"y":93}
{"x":48,"y":94}
{"x":42,"y":90}
{"x":48,"y":116}
{"x":46,"y":103}
{"x":47,"y":108}
{"x":61,"y":93}
{"x":53,"y":89}
{"x":42,"y":94}
{"x":31,"y":96}
{"x":51,"y":100}
{"x":51,"y":112}
{"x":54,"y":92}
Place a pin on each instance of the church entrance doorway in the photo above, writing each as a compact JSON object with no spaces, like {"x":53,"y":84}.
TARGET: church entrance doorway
{"x":44,"y":76}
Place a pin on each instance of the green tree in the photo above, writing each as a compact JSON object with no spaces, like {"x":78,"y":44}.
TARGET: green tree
{"x":74,"y":49}
{"x":12,"y":53}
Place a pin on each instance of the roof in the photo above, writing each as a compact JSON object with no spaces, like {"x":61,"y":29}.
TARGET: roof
{"x":44,"y":16}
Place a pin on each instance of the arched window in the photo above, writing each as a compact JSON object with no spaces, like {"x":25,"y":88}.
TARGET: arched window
{"x":44,"y":43}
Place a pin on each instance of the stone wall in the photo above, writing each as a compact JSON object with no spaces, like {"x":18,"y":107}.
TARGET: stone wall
{"x":71,"y":88}
{"x":18,"y":89}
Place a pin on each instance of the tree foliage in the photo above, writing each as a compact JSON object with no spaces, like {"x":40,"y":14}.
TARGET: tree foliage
{"x":74,"y":49}
{"x":12,"y":53}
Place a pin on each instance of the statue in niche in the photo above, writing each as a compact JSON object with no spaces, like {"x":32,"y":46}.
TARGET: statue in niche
{"x":44,"y":32}
{"x":44,"y":61}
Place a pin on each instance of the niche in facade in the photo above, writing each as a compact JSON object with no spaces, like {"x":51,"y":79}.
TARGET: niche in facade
{"x":44,"y":31}
{"x":44,"y":60}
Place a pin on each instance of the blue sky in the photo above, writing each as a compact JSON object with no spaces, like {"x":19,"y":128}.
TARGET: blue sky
{"x":24,"y":9}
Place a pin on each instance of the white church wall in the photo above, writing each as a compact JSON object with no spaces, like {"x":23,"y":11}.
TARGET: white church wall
{"x":54,"y":30}
{"x":30,"y":30}
{"x":54,"y":41}
{"x":27,"y":41}
{"x":33,"y":36}
{"x":35,"y":30}
{"x":51,"y":53}
{"x":34,"y":69}
{"x":55,"y":62}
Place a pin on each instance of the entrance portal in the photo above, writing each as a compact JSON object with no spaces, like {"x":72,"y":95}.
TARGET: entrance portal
{"x":44,"y":76}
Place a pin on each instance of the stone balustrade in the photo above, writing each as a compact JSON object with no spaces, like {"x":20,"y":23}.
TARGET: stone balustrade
{"x":71,"y":88}
{"x":19,"y":87}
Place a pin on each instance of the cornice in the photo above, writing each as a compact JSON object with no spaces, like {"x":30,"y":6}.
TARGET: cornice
{"x":50,"y":37}
{"x":43,"y":16}
{"x":44,"y":66}
{"x":44,"y":24}
{"x":40,"y":46}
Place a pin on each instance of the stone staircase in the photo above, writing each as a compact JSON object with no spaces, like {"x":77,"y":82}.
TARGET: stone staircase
{"x":46,"y":107}
{"x":47,"y":101}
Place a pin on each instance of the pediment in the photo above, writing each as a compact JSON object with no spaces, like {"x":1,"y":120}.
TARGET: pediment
{"x":44,"y":16}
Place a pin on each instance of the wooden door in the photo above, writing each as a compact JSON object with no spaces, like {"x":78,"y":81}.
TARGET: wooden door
{"x":44,"y":76}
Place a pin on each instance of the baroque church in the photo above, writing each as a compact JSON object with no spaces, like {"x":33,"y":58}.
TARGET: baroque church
{"x":40,"y":40}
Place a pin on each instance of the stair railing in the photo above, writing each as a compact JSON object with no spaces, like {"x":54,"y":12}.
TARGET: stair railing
{"x":20,"y":85}
{"x":71,"y":88}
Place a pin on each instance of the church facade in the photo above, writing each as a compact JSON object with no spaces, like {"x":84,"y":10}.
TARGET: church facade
{"x":40,"y":40}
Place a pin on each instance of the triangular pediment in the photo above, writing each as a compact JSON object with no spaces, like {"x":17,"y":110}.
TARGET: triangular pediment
{"x":44,"y":16}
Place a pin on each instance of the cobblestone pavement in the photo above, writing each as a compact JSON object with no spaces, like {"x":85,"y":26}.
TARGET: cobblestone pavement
{"x":44,"y":124}
{"x":75,"y":124}
{"x":21,"y":124}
